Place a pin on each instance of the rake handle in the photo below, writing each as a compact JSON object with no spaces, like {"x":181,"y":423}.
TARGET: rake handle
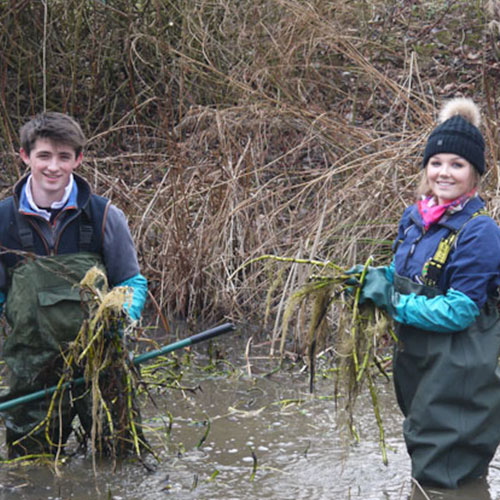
{"x":195,"y":339}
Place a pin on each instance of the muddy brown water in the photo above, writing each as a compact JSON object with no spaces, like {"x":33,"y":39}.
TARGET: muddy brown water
{"x":267,"y":438}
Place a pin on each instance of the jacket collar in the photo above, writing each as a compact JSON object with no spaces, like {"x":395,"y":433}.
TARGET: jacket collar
{"x":453,"y":221}
{"x":80,"y":201}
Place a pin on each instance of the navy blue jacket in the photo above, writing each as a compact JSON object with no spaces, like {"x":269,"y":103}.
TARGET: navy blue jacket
{"x":473,"y":265}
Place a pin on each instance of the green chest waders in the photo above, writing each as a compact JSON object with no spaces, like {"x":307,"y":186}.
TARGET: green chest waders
{"x":44,"y":312}
{"x":448,"y":387}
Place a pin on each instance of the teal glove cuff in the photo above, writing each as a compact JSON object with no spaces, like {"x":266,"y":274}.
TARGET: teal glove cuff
{"x":390,"y":270}
{"x":139,"y":286}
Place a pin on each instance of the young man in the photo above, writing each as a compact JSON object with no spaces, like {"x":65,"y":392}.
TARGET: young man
{"x":53,"y":229}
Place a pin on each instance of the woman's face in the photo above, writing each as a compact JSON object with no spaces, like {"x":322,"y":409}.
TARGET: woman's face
{"x":449,"y":176}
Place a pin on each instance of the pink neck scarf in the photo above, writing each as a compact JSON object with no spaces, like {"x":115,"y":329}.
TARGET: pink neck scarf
{"x":431,"y":212}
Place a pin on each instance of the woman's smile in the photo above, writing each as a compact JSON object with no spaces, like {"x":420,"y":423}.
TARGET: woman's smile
{"x":450,"y":176}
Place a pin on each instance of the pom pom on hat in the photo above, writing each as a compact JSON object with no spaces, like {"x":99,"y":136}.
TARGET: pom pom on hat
{"x":462,"y":106}
{"x":458,"y":133}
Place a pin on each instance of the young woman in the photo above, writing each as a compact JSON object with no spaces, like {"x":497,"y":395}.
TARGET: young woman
{"x":441,"y":289}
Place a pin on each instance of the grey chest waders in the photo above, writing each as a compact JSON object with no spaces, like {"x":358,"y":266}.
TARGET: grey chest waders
{"x":448,"y":387}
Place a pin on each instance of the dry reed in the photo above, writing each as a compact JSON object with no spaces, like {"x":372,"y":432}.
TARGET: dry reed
{"x":229,"y":130}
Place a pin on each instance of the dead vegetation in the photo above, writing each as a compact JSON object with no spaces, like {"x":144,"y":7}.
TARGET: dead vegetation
{"x":228,"y":130}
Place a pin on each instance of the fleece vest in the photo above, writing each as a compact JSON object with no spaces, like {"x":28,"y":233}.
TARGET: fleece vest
{"x":81,"y":232}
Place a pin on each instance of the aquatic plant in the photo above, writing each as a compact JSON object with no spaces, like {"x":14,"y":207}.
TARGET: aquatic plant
{"x":96,"y":367}
{"x":100,"y":352}
{"x":327,"y":310}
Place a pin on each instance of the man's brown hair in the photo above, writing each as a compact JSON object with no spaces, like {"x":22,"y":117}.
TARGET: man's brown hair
{"x":54,"y":126}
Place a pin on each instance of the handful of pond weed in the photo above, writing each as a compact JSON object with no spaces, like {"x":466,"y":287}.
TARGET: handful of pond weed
{"x":327,"y":313}
{"x":100,"y":354}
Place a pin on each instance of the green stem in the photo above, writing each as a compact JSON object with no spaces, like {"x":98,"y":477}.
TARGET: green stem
{"x":355,"y":312}
{"x":293,"y":260}
{"x":376,"y":411}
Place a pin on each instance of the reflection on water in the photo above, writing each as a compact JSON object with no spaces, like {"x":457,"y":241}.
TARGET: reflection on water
{"x":240,"y":437}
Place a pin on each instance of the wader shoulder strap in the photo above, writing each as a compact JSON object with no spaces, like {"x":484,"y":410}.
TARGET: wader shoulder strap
{"x":433,"y":268}
{"x":86,"y":230}
{"x":86,"y":226}
{"x":25,"y":232}
{"x":93,"y":223}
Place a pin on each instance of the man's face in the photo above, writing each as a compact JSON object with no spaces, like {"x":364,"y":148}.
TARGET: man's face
{"x":51,"y":165}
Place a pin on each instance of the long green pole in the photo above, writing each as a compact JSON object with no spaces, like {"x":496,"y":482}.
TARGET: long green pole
{"x":199,"y":337}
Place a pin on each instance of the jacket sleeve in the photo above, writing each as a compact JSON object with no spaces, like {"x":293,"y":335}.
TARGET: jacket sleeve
{"x":119,"y":252}
{"x":120,"y":259}
{"x":452,"y":312}
{"x":473,"y":267}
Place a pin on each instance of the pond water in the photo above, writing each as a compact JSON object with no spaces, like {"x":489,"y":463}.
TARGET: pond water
{"x":248,"y":436}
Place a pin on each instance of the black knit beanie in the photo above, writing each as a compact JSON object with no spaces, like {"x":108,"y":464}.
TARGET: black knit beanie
{"x":458,"y":133}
